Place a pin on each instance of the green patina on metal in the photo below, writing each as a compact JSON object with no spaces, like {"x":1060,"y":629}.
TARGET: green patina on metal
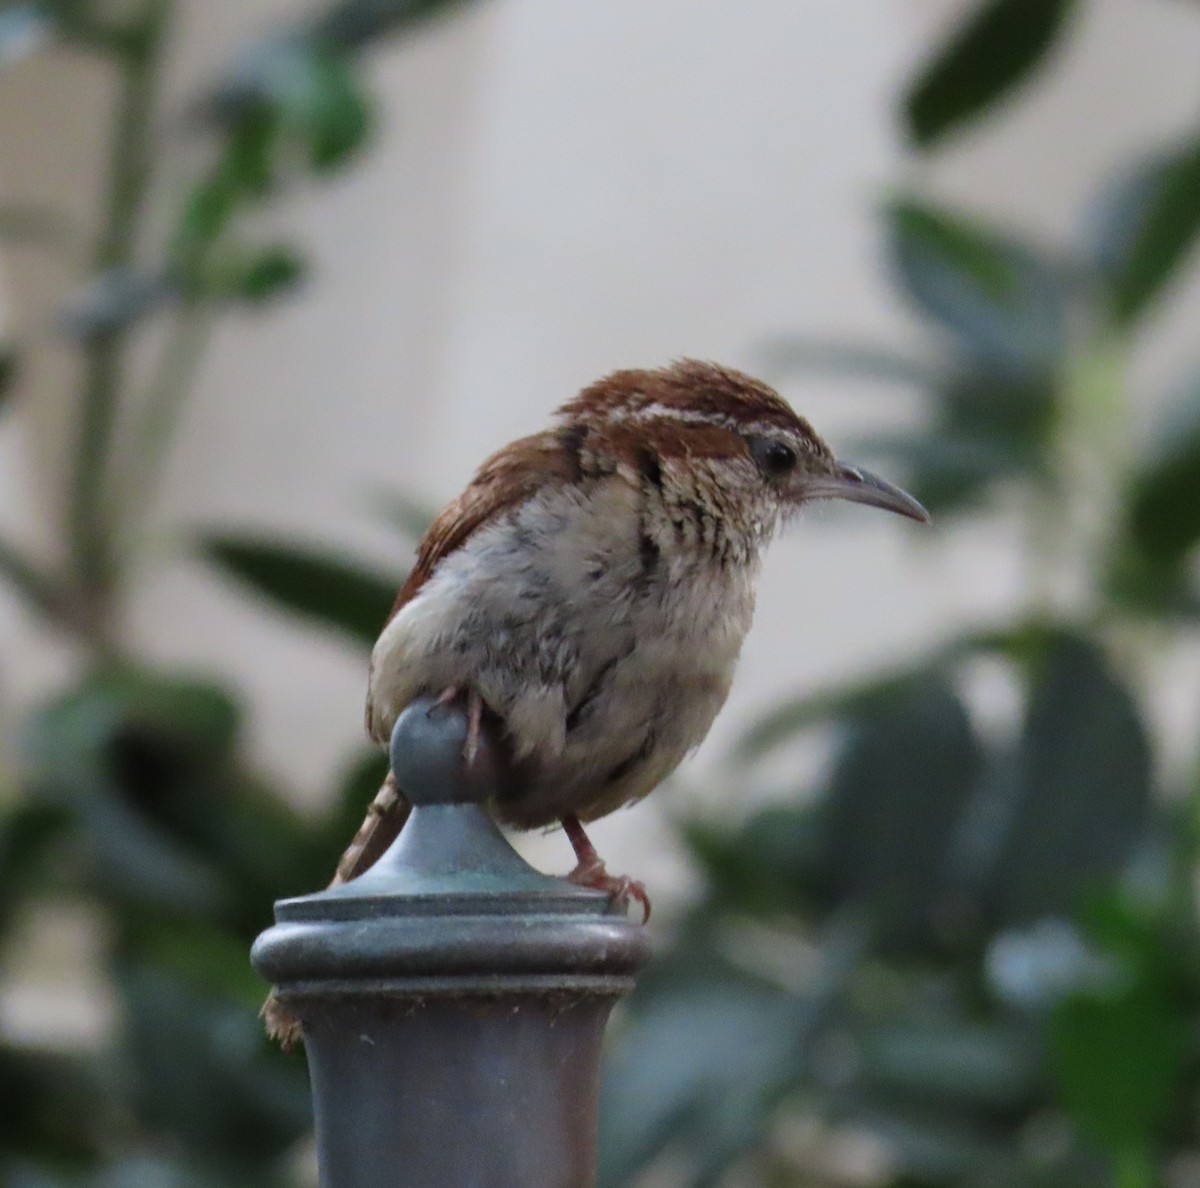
{"x":453,"y":997}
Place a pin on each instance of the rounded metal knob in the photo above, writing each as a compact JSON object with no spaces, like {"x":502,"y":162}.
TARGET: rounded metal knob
{"x":428,"y":751}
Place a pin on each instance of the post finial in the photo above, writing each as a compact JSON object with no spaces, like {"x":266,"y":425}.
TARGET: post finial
{"x":452,"y":988}
{"x":429,"y":755}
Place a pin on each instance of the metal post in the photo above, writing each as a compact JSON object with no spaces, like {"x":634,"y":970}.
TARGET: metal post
{"x":453,"y":998}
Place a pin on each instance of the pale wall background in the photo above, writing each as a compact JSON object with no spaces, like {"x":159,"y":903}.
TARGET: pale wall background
{"x":558,"y":189}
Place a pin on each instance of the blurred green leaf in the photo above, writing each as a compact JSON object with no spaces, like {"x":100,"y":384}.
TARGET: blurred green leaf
{"x":197,"y":714}
{"x":953,"y":1063}
{"x":56,"y":1106}
{"x":1149,"y":230}
{"x":1080,"y":786}
{"x":128,"y":860}
{"x":8,"y":373}
{"x":792,"y":717}
{"x":290,"y":100}
{"x":129,"y":754}
{"x":1118,"y":1055}
{"x":1164,"y":491}
{"x":932,"y":1148}
{"x":28,"y":832}
{"x":249,"y":160}
{"x":264,"y":848}
{"x":995,"y":299}
{"x":332,"y":589}
{"x":774,"y":863}
{"x":201,"y":956}
{"x":272,"y":271}
{"x":352,"y":24}
{"x":708,"y":1100}
{"x":905,"y":774}
{"x":337,"y":115}
{"x":76,"y":729}
{"x":998,"y":47}
{"x":252,"y":275}
{"x":1149,"y":588}
{"x":1002,"y":413}
{"x":308,"y":88}
{"x":867,"y":695}
{"x":240,"y":1101}
{"x":205,"y":217}
{"x":989,"y":428}
{"x":244,"y":172}
{"x":1112,"y":218}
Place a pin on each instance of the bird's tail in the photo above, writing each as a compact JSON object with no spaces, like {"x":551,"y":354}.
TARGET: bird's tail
{"x":385,"y":818}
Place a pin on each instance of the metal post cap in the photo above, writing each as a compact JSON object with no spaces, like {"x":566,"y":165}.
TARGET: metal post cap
{"x":451,"y":893}
{"x":453,"y":998}
{"x":428,"y":753}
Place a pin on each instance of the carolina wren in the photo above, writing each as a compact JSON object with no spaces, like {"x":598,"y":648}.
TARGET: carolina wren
{"x":591,"y":589}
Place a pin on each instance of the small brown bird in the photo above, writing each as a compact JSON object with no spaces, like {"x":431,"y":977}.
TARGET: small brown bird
{"x":590,"y":590}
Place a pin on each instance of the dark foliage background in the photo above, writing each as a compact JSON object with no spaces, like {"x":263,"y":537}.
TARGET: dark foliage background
{"x":968,"y":956}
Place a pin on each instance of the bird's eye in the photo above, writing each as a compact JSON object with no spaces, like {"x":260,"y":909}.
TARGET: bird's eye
{"x":775,"y":458}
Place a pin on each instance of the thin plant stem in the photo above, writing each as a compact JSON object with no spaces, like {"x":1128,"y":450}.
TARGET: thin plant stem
{"x":142,"y":473}
{"x":1074,"y":510}
{"x":22,"y":575}
{"x":129,"y":178}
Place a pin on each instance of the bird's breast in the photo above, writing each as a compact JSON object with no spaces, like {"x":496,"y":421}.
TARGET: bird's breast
{"x":604,"y":645}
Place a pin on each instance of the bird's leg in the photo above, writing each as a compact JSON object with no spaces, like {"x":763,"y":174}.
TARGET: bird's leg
{"x":590,"y":870}
{"x":474,"y":718}
{"x":474,"y":726}
{"x":445,"y":697}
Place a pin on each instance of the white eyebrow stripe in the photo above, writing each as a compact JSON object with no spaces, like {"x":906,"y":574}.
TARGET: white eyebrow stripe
{"x":685,"y":416}
{"x":657,"y":411}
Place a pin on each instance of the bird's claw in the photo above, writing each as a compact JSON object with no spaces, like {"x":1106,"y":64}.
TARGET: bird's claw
{"x":620,"y":888}
{"x":474,"y":718}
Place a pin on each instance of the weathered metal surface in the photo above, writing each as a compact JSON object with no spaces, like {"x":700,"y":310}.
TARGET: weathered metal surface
{"x":453,"y":998}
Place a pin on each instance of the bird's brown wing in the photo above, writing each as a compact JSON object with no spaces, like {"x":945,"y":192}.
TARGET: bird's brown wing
{"x":505,"y":480}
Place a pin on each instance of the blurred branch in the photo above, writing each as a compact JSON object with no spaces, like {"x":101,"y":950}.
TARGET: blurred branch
{"x":151,"y":437}
{"x":129,"y":177}
{"x":24,"y":577}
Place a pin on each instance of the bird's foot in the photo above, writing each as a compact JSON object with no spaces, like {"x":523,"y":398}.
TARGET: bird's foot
{"x":590,"y":871}
{"x":474,"y":718}
{"x":620,"y":888}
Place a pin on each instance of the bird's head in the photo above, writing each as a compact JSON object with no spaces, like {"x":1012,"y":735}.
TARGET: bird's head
{"x":719,"y":441}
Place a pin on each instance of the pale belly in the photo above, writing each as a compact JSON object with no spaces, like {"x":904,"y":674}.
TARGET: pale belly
{"x":606,"y":660}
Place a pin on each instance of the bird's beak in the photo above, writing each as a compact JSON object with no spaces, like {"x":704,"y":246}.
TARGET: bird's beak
{"x":861,"y":486}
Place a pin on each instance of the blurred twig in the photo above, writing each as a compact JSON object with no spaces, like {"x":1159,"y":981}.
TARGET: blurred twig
{"x":36,"y":587}
{"x":128,"y":180}
{"x":147,"y":451}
